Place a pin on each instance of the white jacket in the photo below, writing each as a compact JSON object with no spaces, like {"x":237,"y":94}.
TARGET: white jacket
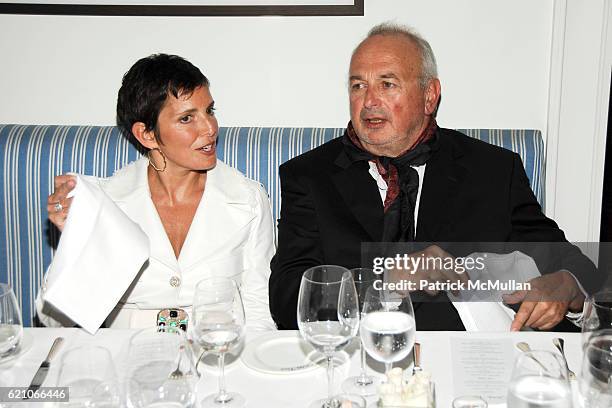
{"x":232,"y":235}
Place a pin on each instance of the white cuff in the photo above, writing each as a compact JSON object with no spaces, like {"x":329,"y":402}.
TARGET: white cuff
{"x":576,"y":317}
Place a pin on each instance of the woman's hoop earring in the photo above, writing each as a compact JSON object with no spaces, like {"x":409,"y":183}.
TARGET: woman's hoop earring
{"x":153,"y":164}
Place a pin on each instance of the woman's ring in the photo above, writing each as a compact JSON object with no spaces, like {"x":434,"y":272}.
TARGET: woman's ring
{"x":58,"y":207}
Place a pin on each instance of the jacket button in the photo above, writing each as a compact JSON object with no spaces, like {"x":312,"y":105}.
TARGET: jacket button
{"x":175,"y":281}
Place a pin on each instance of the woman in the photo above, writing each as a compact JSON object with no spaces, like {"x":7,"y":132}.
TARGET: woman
{"x":202,"y":217}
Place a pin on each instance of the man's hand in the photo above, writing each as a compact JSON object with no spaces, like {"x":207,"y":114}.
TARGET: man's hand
{"x":431,"y":274}
{"x":547,"y":302}
{"x":58,"y":204}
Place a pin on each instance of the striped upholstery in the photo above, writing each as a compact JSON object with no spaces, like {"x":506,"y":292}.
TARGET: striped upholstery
{"x":33,"y":155}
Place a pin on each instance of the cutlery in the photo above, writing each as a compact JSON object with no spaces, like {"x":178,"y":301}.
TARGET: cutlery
{"x":43,"y":370}
{"x":560,"y":345}
{"x":525,"y":348}
{"x":178,"y":374}
{"x":416,"y":356}
{"x":204,"y":352}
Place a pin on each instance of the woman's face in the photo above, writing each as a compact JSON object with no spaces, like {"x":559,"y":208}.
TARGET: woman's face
{"x":188,"y":130}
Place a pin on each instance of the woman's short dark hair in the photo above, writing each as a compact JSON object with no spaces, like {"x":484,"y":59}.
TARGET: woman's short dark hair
{"x":146,"y":86}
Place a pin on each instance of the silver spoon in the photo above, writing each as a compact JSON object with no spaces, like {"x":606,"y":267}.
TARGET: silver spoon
{"x":525,"y":348}
{"x":560,"y":345}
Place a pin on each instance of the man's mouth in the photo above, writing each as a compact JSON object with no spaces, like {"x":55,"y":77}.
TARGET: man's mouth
{"x":374,"y":122}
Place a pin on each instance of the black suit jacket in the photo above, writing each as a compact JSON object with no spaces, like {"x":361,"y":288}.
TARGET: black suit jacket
{"x":472,"y":191}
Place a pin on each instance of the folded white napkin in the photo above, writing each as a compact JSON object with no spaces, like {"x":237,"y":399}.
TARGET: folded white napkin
{"x":99,"y":254}
{"x":484,"y":311}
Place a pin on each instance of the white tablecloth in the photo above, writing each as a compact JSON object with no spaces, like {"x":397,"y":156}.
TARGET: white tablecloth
{"x":265,"y":390}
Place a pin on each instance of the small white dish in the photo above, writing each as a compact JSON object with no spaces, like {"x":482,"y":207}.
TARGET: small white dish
{"x":285,"y":352}
{"x":24,"y":346}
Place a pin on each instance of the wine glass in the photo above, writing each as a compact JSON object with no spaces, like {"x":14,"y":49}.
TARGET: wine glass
{"x":11,"y":329}
{"x":388,"y":327}
{"x":597,"y":314}
{"x":363,"y":384}
{"x":160,"y":369}
{"x":596,"y":377}
{"x":89,"y":373}
{"x":328,"y":318}
{"x":218,"y":326}
{"x":539,"y":379}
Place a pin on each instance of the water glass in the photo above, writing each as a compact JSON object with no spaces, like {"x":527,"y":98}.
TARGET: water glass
{"x":363,"y":384}
{"x":388,"y":327}
{"x":89,"y":373}
{"x":596,"y":377}
{"x":11,"y":329}
{"x":160,"y":370}
{"x":328,"y":318}
{"x":539,"y":379}
{"x":218,"y":326}
{"x":597,"y":314}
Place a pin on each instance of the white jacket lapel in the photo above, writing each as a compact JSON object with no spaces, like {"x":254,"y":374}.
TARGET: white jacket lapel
{"x":220,"y":223}
{"x":130,"y":190}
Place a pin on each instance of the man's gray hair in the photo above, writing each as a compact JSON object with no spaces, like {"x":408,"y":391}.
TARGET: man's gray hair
{"x":429,"y":68}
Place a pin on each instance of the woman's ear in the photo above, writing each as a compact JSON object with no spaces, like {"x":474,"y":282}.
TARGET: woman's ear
{"x":144,"y":136}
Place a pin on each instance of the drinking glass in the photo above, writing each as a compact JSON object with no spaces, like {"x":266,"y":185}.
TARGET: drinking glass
{"x":11,"y":329}
{"x":89,"y":373}
{"x":328,"y":318}
{"x":218,"y":327}
{"x":160,"y":369}
{"x":363,"y":384}
{"x":388,"y":327}
{"x":597,"y":314}
{"x":596,"y":378}
{"x":539,"y":379}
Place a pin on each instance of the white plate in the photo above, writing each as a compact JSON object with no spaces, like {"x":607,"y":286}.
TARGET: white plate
{"x":284,"y":352}
{"x":24,"y":345}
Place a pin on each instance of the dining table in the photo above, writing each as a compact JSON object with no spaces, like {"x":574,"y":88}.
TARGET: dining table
{"x":289,"y":389}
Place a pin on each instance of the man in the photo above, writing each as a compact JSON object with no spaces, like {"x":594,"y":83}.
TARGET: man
{"x":395,"y":176}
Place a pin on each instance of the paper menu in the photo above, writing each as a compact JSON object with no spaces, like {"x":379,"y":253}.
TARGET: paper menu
{"x":484,"y":310}
{"x":482,"y":367}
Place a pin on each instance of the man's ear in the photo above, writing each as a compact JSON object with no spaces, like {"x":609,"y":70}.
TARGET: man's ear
{"x":144,"y":136}
{"x":432,"y":96}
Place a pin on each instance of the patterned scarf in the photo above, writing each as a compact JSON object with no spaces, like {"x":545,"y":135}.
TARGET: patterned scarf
{"x":402,"y":180}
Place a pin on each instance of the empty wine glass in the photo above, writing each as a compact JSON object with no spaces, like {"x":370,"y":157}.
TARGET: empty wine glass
{"x":218,"y":326}
{"x":328,"y":318}
{"x":597,"y":314}
{"x":388,"y":327}
{"x":89,"y":373}
{"x":11,"y":329}
{"x":596,"y":376}
{"x":539,"y":379}
{"x":160,"y":369}
{"x":363,"y":384}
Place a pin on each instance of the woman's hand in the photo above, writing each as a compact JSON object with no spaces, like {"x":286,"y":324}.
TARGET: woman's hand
{"x":58,"y":204}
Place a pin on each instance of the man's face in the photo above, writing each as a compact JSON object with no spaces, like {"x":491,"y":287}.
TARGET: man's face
{"x":389,"y":108}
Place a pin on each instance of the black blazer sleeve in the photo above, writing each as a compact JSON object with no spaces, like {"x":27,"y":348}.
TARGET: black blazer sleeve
{"x":298,"y":248}
{"x":532,"y":227}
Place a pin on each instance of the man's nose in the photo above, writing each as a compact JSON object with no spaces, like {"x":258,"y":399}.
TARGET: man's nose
{"x":372,"y":98}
